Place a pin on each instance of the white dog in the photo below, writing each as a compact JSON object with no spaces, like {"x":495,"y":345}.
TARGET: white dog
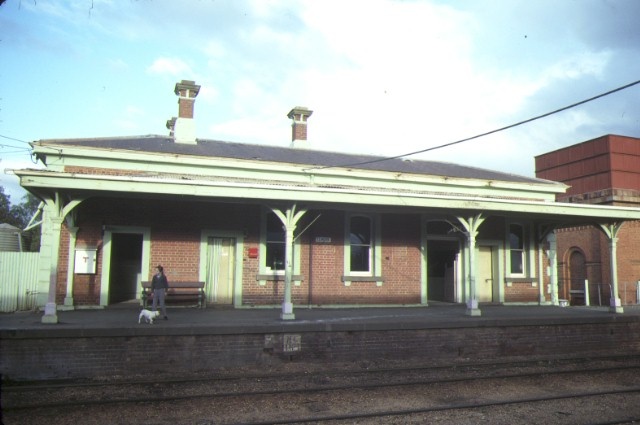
{"x":148,"y":315}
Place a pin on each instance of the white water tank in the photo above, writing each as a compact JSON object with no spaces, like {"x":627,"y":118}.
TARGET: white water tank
{"x":10,"y":239}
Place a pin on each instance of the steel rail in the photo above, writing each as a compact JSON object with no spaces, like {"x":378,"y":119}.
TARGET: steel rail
{"x":18,"y":387}
{"x":310,"y":390}
{"x":461,"y":406}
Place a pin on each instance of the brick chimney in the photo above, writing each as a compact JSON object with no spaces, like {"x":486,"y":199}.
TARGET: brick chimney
{"x":184,"y":127}
{"x":299,"y":115}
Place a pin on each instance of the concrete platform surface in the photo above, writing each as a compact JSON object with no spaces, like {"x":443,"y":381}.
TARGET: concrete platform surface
{"x":122,"y":319}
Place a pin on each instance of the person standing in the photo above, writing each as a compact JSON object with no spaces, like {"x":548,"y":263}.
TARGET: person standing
{"x":159,"y":286}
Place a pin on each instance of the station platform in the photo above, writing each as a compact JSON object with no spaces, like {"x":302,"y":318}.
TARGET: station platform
{"x":123,"y":319}
{"x":109,"y":342}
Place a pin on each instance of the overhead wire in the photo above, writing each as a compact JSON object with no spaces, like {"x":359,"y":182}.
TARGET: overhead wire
{"x":14,"y":139}
{"x":2,"y":145}
{"x":519,"y":123}
{"x":12,"y":152}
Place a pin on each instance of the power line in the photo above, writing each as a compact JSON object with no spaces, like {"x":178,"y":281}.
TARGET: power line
{"x":573,"y":105}
{"x":12,"y":152}
{"x":13,"y":138}
{"x":2,"y":145}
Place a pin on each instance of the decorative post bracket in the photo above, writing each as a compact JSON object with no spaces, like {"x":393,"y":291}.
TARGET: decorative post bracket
{"x":289,"y":219}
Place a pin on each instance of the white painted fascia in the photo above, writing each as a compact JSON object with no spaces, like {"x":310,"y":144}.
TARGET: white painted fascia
{"x":265,"y":191}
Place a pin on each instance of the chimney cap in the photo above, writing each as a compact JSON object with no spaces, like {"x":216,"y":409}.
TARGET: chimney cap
{"x":301,"y":111}
{"x":187,"y":85}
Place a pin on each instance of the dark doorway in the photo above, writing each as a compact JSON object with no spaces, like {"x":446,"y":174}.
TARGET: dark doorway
{"x":125,"y":267}
{"x":578,"y":270}
{"x":441,"y":270}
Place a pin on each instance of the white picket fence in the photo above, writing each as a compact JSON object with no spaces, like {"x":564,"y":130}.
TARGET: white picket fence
{"x":18,"y":278}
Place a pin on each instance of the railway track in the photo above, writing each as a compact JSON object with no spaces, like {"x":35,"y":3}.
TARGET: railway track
{"x":603,"y":390}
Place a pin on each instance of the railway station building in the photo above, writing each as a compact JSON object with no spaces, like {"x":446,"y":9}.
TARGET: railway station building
{"x":295,"y":226}
{"x":602,"y":171}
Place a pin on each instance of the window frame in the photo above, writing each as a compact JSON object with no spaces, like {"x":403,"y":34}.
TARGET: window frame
{"x":370,"y":247}
{"x":263,"y":261}
{"x":265,"y":273}
{"x":374,"y":274}
{"x":525,"y":251}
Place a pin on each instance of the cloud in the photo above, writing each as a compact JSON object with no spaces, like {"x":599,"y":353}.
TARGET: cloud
{"x":383,"y":77}
{"x":400,"y":80}
{"x":251,"y":130}
{"x":589,"y":64}
{"x":172,"y":66}
{"x":118,"y":64}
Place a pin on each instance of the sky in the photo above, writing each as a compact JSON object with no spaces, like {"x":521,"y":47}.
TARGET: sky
{"x":383,"y":77}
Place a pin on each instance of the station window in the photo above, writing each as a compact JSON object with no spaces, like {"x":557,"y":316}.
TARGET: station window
{"x":275,"y":244}
{"x":517,"y":249}
{"x":360,"y":244}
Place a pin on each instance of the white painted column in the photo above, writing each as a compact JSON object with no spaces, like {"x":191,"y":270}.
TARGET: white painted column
{"x":289,"y":219}
{"x":472,"y":303}
{"x":287,"y":305}
{"x":471,"y":226}
{"x":53,"y":217}
{"x":587,"y":301}
{"x":50,"y":309}
{"x":611,"y":230}
{"x":553,"y":267}
{"x":68,"y":299}
{"x":616,"y":304}
{"x":541,"y":297}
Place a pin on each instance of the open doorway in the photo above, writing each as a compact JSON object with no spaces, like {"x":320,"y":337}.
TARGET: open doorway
{"x":125,"y":267}
{"x":442,"y":266}
{"x":573,"y":290}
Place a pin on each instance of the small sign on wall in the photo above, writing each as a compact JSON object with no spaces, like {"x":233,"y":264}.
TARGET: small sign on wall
{"x":292,"y":343}
{"x":86,"y":260}
{"x":323,"y":239}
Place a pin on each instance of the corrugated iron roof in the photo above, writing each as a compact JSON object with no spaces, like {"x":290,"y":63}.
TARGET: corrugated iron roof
{"x":276,"y":154}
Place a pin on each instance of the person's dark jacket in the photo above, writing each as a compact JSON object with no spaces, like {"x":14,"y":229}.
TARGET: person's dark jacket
{"x":159,"y":281}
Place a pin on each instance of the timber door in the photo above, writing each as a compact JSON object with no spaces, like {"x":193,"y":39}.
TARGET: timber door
{"x":485,"y":276}
{"x":220,"y":270}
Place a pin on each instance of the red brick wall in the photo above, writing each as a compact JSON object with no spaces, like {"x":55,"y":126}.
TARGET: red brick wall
{"x":176,"y":226}
{"x":401,"y":257}
{"x":322,"y":283}
{"x":629,"y":261}
{"x":185,"y":108}
{"x":606,"y":162}
{"x":521,"y":292}
{"x":326,"y":259}
{"x":38,"y":355}
{"x":175,"y":244}
{"x":175,"y":236}
{"x":595,"y":246}
{"x":605,"y":170}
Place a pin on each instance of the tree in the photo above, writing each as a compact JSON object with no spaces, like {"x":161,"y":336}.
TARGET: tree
{"x":6,"y":216}
{"x":23,"y":214}
{"x":19,"y":216}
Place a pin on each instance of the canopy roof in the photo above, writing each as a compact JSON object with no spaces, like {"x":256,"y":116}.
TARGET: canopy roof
{"x":157,"y":166}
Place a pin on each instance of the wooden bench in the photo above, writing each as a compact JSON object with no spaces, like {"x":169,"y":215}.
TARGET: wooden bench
{"x":178,"y":291}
